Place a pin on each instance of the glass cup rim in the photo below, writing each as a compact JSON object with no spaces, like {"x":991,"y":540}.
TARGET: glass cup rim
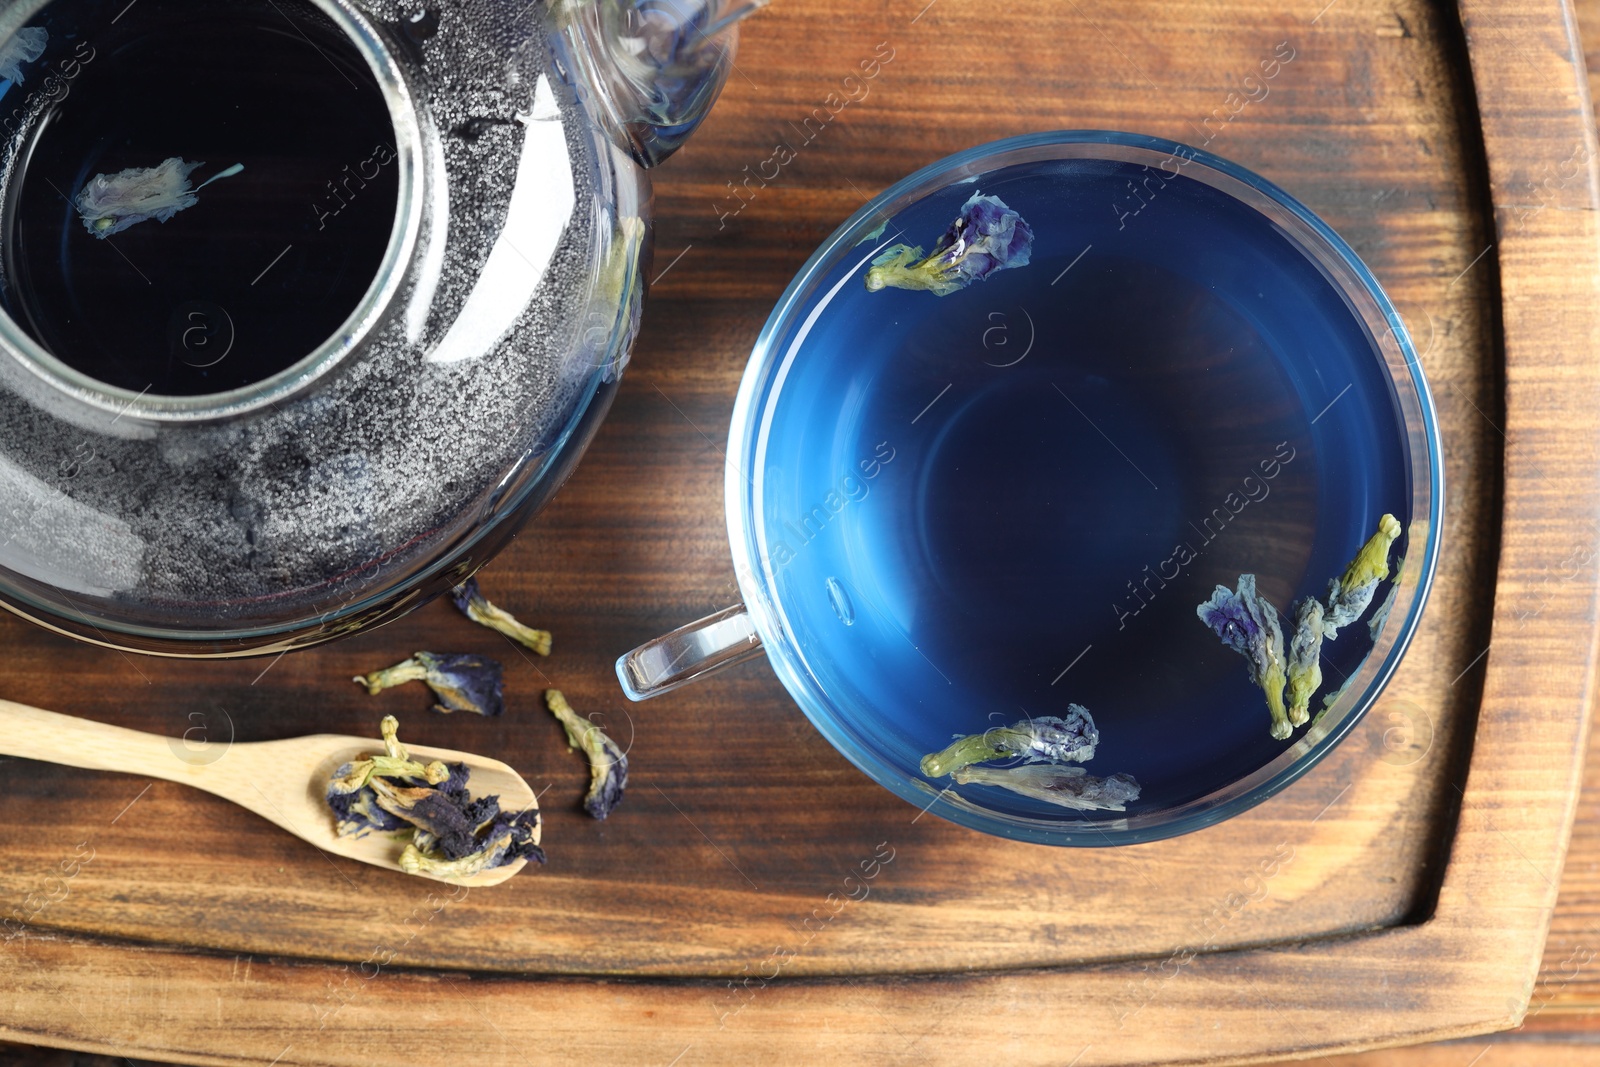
{"x":1344,"y":269}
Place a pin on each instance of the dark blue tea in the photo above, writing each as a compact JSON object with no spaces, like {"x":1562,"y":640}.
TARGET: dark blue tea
{"x":985,"y":506}
{"x":294,"y":191}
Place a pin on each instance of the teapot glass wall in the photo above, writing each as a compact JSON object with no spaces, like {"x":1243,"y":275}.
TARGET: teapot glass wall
{"x":306,"y":304}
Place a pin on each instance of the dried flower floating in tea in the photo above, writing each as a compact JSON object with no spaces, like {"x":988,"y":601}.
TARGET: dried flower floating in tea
{"x":1305,"y":659}
{"x":874,"y":233}
{"x":608,"y":764}
{"x":460,"y":682}
{"x":475,"y":606}
{"x":1350,"y":594}
{"x":451,"y":834}
{"x":1246,"y":623}
{"x":1043,"y":748}
{"x":25,"y":46}
{"x":1380,"y":617}
{"x":1070,"y":787}
{"x":988,"y":236}
{"x":111,"y":203}
{"x":1045,"y":739}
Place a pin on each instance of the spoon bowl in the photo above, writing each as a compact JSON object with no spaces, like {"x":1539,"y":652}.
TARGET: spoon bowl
{"x":284,"y":782}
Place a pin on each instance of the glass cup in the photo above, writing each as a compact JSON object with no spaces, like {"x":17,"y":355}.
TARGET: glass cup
{"x":869,"y":707}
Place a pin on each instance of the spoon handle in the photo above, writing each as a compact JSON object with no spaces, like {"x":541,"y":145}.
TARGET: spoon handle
{"x":36,"y":734}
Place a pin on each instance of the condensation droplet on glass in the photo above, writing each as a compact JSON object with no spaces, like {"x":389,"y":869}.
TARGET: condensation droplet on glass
{"x":839,"y":597}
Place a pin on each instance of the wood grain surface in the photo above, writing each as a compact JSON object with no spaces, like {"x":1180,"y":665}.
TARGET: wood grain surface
{"x":196,"y":933}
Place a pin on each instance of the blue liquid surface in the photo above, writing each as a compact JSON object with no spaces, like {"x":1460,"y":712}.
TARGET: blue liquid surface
{"x":1020,"y":492}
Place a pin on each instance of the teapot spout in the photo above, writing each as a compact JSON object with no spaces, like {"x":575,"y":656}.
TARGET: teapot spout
{"x":648,"y":69}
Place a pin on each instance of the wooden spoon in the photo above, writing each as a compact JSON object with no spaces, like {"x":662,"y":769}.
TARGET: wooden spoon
{"x":281,"y":781}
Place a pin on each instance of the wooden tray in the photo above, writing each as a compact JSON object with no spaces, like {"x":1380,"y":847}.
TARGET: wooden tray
{"x":1414,"y":871}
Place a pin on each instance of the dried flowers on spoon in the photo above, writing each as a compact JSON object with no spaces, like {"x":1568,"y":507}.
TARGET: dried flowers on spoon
{"x":475,"y":606}
{"x":608,"y":764}
{"x":988,"y":236}
{"x":451,"y":835}
{"x":460,"y":682}
{"x":111,"y":203}
{"x":355,"y":804}
{"x":1044,"y":739}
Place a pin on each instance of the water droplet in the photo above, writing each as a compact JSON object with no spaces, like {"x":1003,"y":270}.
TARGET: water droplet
{"x":840,"y":599}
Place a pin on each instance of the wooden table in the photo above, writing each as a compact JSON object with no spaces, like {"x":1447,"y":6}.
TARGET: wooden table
{"x":1454,"y":150}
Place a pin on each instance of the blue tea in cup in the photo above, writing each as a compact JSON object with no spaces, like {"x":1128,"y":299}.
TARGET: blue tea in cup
{"x":1002,"y":441}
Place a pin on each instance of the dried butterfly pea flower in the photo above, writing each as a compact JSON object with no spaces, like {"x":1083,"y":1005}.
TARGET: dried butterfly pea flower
{"x":875,"y":233}
{"x":354,"y":801}
{"x":111,"y":203}
{"x":1331,"y":698}
{"x":1070,"y":787}
{"x":988,"y":236}
{"x":452,"y":835}
{"x":1305,"y":659}
{"x":1248,"y":624}
{"x":506,"y":838}
{"x":1350,"y":594}
{"x":1381,"y":616}
{"x":396,"y":762}
{"x":455,"y":834}
{"x":608,"y":764}
{"x":1375,"y":626}
{"x":437,"y":811}
{"x":358,"y":814}
{"x":475,"y":606}
{"x":1049,"y":739}
{"x":462,"y":682}
{"x":25,"y":46}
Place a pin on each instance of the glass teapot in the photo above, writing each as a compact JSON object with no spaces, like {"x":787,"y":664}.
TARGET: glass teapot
{"x":305,"y":305}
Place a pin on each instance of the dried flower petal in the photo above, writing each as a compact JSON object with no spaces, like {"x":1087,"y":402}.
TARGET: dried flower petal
{"x":442,"y":813}
{"x":1071,"y":787}
{"x":1350,"y":594}
{"x":875,"y":233}
{"x":1381,"y":616}
{"x":608,"y":764}
{"x":452,"y":835}
{"x":461,"y":682}
{"x":1248,"y":624}
{"x":475,"y":606}
{"x":507,"y":839}
{"x":1305,"y":659}
{"x":1048,"y":739}
{"x":25,"y":46}
{"x":111,"y":203}
{"x":350,"y":795}
{"x":988,"y":236}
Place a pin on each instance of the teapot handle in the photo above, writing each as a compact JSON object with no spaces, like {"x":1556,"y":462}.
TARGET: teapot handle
{"x":648,"y":70}
{"x":689,"y":652}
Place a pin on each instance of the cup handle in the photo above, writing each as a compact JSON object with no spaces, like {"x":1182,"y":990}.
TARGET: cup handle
{"x":689,"y":652}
